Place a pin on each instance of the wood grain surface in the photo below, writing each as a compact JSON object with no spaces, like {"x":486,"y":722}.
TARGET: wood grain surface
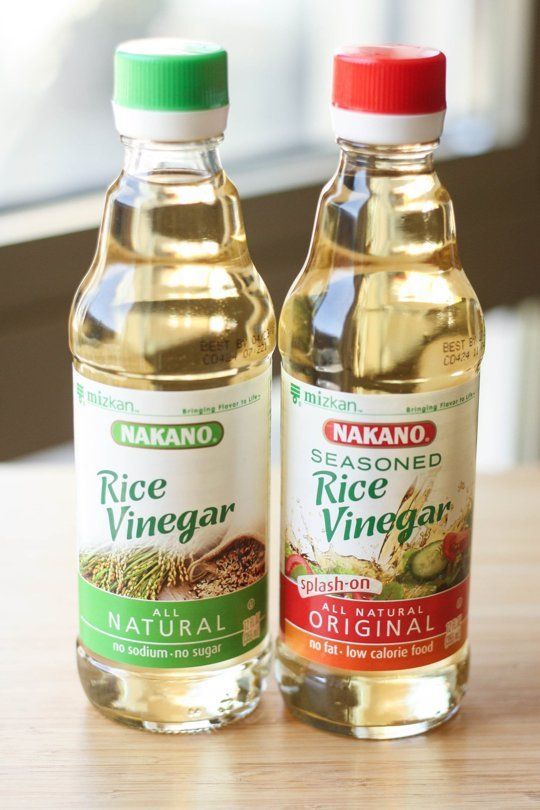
{"x":56,"y":751}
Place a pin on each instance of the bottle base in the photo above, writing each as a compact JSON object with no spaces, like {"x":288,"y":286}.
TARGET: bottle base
{"x":174,"y":701}
{"x":375,"y":705}
{"x":373,"y":732}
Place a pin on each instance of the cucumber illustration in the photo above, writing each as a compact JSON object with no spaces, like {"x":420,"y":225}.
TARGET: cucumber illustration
{"x":429,"y":562}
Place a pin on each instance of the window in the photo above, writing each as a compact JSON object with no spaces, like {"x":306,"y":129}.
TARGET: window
{"x":59,"y":150}
{"x":57,"y":138}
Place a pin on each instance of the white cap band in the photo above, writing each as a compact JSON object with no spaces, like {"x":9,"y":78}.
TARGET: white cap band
{"x":386,"y":130}
{"x":170,"y":125}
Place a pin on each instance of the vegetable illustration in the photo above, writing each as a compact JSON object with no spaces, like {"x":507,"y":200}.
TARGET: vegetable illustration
{"x":433,"y":559}
{"x":391,"y":590}
{"x":296,"y":565}
{"x":429,"y":562}
{"x":454,"y":543}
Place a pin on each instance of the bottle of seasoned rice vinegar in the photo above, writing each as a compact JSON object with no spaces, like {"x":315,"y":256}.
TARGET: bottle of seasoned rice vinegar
{"x":381,"y":337}
{"x":172,"y":332}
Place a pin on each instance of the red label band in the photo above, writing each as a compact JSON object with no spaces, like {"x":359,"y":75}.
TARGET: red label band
{"x":370,"y":634}
{"x":377,"y":434}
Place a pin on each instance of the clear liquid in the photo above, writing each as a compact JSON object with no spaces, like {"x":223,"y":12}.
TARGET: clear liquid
{"x":381,"y":306}
{"x":173,"y":302}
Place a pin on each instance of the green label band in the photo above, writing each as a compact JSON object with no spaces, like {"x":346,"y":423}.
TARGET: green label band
{"x":167,"y":437}
{"x":172,"y":635}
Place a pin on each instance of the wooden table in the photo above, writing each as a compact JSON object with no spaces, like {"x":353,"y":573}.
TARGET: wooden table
{"x":58,"y":752}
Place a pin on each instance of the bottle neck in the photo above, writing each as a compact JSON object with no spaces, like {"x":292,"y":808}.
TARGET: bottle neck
{"x":174,"y":201}
{"x":385,"y":201}
{"x":392,"y":160}
{"x":185,"y":162}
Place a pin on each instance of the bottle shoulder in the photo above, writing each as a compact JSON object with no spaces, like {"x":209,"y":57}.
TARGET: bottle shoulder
{"x":382,"y":296}
{"x":180,"y":320}
{"x":383,"y":326}
{"x":172,"y":293}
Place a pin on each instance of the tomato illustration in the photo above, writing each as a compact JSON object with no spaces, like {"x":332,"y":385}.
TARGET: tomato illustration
{"x":455,"y":543}
{"x":295,"y":565}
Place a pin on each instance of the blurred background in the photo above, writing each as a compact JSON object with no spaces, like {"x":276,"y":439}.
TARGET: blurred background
{"x":59,"y":150}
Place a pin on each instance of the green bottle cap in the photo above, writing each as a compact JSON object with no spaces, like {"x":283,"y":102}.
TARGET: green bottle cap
{"x":170,"y":75}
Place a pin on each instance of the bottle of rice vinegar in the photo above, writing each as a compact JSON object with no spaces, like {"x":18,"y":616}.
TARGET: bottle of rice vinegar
{"x":172,"y":332}
{"x":381,"y":337}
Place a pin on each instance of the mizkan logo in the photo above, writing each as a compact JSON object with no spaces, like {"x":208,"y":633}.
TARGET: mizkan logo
{"x":379,"y":434}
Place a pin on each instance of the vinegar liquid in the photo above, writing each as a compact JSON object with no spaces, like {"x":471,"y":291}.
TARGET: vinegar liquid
{"x":173,"y":303}
{"x":382,"y":306}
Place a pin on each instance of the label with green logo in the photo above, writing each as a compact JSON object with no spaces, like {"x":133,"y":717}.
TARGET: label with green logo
{"x":172,"y":516}
{"x":173,"y":437}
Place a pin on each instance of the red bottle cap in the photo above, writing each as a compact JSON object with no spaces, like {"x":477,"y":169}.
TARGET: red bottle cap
{"x":390,"y":80}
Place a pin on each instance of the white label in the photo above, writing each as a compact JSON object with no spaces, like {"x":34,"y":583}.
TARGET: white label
{"x":362,"y":471}
{"x":199,"y":456}
{"x":172,"y":492}
{"x":172,"y":520}
{"x":376,"y":523}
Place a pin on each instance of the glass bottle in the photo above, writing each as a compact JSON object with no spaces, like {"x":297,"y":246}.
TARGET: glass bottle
{"x":171,"y":333}
{"x":381,"y":337}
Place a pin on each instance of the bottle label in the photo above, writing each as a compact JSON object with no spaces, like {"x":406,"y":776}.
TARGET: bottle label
{"x":376,"y":524}
{"x":172,"y":520}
